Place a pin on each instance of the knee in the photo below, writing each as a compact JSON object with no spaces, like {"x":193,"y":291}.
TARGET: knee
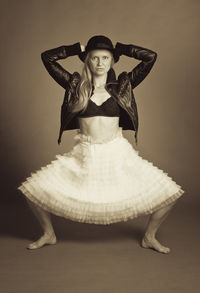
{"x":163,"y":211}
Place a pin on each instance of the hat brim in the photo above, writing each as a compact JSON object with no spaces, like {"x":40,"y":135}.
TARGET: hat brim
{"x":116,"y":56}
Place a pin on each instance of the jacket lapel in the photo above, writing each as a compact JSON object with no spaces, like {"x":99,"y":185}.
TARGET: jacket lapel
{"x":121,"y":91}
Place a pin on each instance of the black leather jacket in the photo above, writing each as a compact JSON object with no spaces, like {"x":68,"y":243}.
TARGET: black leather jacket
{"x":121,"y":88}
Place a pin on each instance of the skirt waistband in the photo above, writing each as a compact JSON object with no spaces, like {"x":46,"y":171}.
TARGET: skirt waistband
{"x":89,"y":139}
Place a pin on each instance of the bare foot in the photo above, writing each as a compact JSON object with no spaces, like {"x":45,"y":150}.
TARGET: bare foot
{"x":151,"y":242}
{"x":44,"y":240}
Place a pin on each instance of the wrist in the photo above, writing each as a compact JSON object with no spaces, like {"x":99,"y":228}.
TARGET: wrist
{"x":74,"y":49}
{"x":120,"y":48}
{"x":82,"y":48}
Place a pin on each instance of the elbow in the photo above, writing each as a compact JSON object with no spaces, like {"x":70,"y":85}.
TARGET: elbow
{"x":43,"y":56}
{"x":151,"y":57}
{"x":154,"y":56}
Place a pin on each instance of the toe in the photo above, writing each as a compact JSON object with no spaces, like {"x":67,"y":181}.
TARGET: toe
{"x":154,"y":244}
{"x":166,"y":250}
{"x":32,"y":246}
{"x":41,"y":242}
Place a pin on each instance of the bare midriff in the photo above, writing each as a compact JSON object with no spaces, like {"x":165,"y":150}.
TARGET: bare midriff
{"x":99,"y":127}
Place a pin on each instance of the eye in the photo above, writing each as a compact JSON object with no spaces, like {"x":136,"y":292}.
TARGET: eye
{"x":105,"y":57}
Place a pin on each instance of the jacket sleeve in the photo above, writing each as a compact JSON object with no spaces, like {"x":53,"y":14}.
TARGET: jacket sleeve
{"x":147,"y":56}
{"x":50,"y":58}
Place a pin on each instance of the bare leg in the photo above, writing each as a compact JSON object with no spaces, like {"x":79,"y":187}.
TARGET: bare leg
{"x":45,"y":221}
{"x":149,"y":240}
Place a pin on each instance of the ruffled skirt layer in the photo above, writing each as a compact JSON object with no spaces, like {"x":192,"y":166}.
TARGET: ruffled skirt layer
{"x":100,"y":183}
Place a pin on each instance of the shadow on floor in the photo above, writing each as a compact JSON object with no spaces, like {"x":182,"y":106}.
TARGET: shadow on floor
{"x":19,"y":222}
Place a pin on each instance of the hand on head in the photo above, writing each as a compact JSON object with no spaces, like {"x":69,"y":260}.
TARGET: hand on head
{"x":82,"y":48}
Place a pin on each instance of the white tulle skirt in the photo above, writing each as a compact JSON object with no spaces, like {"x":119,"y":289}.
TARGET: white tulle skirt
{"x":101,"y":183}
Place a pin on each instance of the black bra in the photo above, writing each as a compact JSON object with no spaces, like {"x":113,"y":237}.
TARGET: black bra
{"x":108,"y":108}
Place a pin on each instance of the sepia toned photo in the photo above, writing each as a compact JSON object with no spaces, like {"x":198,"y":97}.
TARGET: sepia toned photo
{"x":100,"y":146}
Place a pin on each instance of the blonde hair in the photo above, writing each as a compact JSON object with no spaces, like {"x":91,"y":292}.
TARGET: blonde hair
{"x":84,"y":88}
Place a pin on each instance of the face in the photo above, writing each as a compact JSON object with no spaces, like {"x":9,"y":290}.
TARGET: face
{"x":100,"y":61}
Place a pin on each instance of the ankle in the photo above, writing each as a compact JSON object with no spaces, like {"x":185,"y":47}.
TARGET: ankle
{"x":50,"y":233}
{"x":149,"y":235}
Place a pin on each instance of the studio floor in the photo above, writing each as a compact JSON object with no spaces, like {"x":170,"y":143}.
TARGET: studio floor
{"x":99,"y":259}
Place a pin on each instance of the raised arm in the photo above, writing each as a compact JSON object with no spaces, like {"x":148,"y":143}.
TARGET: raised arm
{"x":50,"y":57}
{"x":147,"y":56}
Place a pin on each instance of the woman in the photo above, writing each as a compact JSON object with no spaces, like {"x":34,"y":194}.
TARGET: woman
{"x":102,"y":180}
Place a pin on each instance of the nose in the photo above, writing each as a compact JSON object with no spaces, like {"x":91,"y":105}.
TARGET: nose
{"x":99,"y":61}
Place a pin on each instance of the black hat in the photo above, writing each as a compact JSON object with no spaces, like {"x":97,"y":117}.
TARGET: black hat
{"x":99,"y":42}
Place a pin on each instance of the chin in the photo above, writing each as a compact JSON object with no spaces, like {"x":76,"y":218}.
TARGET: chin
{"x":99,"y":72}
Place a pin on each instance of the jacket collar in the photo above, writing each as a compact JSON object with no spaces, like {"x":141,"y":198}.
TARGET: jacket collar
{"x":111,"y":76}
